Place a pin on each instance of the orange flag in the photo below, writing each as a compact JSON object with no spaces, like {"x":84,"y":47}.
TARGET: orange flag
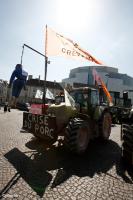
{"x":56,"y":44}
{"x":98,"y":80}
{"x":106,"y":91}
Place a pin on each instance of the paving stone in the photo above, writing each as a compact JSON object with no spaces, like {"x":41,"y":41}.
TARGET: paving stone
{"x":28,"y":169}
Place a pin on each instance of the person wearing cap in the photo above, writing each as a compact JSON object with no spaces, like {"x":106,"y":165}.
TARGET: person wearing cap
{"x":18,"y":80}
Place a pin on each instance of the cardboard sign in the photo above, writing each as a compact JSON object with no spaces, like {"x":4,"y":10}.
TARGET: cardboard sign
{"x":43,"y":126}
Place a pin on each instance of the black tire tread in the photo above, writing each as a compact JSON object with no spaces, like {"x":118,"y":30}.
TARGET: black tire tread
{"x":100,"y":124}
{"x":70,"y":139}
{"x":127,"y":144}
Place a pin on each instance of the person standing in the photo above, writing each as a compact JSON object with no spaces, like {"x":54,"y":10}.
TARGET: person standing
{"x":6,"y":107}
{"x":18,"y":79}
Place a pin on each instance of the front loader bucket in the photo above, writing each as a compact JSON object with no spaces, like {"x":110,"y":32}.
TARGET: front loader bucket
{"x":41,"y":126}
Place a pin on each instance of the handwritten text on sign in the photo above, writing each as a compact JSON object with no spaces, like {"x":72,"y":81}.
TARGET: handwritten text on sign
{"x":40,"y":125}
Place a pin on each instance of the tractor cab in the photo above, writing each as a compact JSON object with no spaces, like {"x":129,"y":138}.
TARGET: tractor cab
{"x":86,"y":99}
{"x":59,"y":99}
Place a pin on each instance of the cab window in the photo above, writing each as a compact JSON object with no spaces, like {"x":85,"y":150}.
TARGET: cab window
{"x":94,"y":97}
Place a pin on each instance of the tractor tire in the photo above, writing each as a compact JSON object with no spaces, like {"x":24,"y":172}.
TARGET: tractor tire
{"x":77,"y":136}
{"x":127,"y":143}
{"x":104,"y":126}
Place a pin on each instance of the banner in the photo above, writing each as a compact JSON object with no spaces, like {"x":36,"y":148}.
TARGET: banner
{"x":96,"y":77}
{"x":39,"y":94}
{"x":99,"y":81}
{"x":106,"y":91}
{"x":57,"y":45}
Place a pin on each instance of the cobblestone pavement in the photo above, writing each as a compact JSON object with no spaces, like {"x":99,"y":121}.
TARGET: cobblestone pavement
{"x":31,"y":170}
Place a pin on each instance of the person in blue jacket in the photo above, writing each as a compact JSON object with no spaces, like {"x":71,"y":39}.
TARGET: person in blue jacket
{"x":18,"y":79}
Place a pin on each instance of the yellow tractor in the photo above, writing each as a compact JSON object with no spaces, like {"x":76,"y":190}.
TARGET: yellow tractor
{"x":80,"y":117}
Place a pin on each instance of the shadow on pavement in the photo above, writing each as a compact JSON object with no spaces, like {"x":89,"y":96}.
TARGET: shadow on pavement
{"x":99,"y":158}
{"x":28,"y":169}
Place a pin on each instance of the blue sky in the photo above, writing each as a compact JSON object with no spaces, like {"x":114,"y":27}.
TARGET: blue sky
{"x":104,"y":28}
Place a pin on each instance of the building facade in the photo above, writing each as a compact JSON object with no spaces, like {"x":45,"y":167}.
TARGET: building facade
{"x":114,"y":81}
{"x":32,"y":85}
{"x":3,"y":91}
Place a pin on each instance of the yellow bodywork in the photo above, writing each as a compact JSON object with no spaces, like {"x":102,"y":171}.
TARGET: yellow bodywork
{"x":63,"y":113}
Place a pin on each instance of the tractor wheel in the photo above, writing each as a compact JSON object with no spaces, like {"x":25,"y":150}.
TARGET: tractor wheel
{"x":77,"y":135}
{"x":105,"y":126}
{"x":127,"y":143}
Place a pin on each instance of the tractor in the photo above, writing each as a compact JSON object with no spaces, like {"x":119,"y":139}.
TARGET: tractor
{"x":121,"y":108}
{"x":79,"y":118}
{"x":127,"y":137}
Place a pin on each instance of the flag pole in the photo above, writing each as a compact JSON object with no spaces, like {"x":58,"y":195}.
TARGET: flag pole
{"x":22,"y":54}
{"x":45,"y":69}
{"x":45,"y":74}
